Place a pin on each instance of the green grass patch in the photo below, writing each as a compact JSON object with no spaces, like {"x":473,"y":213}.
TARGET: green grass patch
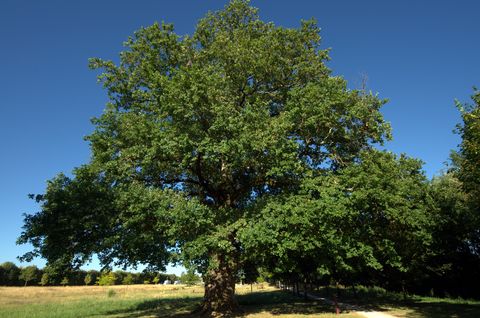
{"x":166,"y":307}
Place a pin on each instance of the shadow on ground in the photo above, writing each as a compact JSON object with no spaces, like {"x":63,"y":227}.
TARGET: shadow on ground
{"x":281,"y":302}
{"x":158,"y":307}
{"x":416,"y":307}
{"x":273,"y":302}
{"x":425,"y":309}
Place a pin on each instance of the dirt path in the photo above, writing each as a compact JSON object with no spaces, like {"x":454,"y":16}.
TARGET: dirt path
{"x":374,"y":314}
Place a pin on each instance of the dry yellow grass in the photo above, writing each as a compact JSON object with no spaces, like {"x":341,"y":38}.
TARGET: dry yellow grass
{"x":18,"y":296}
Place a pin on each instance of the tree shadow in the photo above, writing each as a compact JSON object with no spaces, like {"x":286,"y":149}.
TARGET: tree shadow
{"x":159,"y":307}
{"x":273,"y":302}
{"x":415,"y":307}
{"x":280,"y":303}
{"x":425,"y":309}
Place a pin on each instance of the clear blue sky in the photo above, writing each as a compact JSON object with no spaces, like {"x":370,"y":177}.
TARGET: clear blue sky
{"x":421,"y":55}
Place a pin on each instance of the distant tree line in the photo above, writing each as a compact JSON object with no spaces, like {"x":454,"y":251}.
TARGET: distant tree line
{"x":13,"y":275}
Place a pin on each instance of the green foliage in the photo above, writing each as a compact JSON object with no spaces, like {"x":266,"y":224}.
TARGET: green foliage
{"x":65,"y":281}
{"x":88,"y":279}
{"x":107,"y":279}
{"x":10,"y":273}
{"x":128,"y":279}
{"x":469,"y":152}
{"x":373,"y":216}
{"x":454,"y":267}
{"x":198,"y":129}
{"x":391,"y":206}
{"x":30,"y":274}
{"x":263,"y":276}
{"x":190,"y":278}
{"x":45,"y":280}
{"x":468,"y":163}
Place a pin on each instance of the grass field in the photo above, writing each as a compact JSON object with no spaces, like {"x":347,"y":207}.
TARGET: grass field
{"x":147,"y":301}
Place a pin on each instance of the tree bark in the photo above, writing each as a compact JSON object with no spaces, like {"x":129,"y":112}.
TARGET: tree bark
{"x":219,"y":298}
{"x":305,"y":290}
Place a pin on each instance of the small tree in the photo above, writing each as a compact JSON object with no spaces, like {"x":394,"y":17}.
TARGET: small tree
{"x":88,"y":279}
{"x":107,"y":279}
{"x":65,"y":281}
{"x":45,"y":280}
{"x":190,"y":278}
{"x":128,"y":279}
{"x":29,"y":274}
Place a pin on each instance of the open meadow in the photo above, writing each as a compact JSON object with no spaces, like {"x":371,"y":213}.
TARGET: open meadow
{"x":147,"y":301}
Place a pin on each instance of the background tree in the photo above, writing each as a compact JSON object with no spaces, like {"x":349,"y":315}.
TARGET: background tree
{"x":468,"y":156}
{"x":11,"y":273}
{"x":89,"y":279}
{"x":45,"y":279}
{"x":391,"y":213}
{"x":468,"y":162}
{"x":107,"y":279}
{"x":201,"y":130}
{"x":452,"y":267}
{"x":30,"y":274}
{"x":190,"y":278}
{"x":3,"y":279}
{"x":129,"y":279}
{"x":371,"y":216}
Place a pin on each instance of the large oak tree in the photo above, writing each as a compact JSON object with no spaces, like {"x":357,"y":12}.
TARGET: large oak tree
{"x":198,"y":132}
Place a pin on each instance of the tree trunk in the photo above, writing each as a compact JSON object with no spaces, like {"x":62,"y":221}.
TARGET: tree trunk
{"x":305,"y":290}
{"x":219,"y":298}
